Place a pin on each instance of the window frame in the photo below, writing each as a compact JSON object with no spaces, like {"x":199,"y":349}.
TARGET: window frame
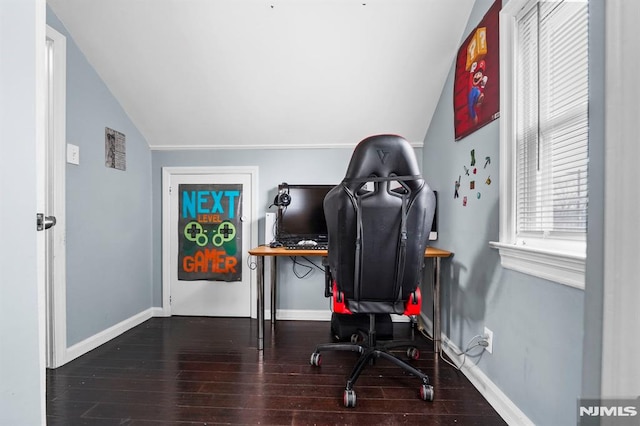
{"x":547,"y":258}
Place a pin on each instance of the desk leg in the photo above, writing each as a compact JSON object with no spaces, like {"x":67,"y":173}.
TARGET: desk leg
{"x":274,"y":270}
{"x":436,"y":307}
{"x":260,"y":260}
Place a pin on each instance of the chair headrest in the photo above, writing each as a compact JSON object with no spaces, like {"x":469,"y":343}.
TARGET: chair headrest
{"x":383,"y":156}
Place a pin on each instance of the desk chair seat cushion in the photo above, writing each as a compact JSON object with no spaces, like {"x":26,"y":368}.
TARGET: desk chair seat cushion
{"x":341,"y":305}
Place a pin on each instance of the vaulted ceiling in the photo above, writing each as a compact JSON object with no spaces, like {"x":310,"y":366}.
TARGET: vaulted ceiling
{"x":270,"y":73}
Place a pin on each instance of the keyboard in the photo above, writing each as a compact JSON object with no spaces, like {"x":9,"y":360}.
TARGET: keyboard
{"x":306,"y":246}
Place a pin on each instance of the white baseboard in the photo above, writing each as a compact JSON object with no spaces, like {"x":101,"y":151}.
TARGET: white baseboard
{"x":301,"y":315}
{"x":104,"y":336}
{"x":509,"y":411}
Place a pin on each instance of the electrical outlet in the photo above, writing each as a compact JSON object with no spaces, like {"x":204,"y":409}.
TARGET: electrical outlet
{"x":488,"y":336}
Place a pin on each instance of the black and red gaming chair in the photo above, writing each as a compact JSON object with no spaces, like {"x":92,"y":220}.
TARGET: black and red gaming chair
{"x":378,"y":221}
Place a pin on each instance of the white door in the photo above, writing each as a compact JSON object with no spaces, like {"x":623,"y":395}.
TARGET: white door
{"x":209,"y":218}
{"x":52,"y":195}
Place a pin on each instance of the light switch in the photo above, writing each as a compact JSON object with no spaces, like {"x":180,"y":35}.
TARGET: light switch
{"x":73,"y":154}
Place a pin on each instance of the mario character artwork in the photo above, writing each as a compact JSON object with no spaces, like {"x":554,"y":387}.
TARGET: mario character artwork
{"x":477,"y":83}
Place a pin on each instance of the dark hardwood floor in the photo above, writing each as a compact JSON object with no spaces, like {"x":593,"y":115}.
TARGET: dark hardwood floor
{"x":193,"y":370}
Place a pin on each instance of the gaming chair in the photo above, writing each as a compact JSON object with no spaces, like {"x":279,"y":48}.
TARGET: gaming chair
{"x":378,"y":221}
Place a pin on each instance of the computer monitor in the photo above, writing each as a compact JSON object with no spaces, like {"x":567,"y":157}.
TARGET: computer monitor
{"x":301,"y":215}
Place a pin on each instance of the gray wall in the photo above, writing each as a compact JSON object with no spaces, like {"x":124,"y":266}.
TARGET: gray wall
{"x":294,"y":166}
{"x":538,"y":325}
{"x":21,"y":356}
{"x":108,"y":211}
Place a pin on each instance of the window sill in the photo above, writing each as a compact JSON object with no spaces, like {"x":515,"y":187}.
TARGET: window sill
{"x":563,"y":268}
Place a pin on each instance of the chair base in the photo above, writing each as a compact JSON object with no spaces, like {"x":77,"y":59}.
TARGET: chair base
{"x":370,"y":351}
{"x":345,"y":326}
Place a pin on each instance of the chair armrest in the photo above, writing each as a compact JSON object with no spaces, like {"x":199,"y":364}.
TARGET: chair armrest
{"x":328,"y":280}
{"x":413,"y":305}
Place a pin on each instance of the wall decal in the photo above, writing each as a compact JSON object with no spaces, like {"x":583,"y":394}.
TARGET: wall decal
{"x":467,"y":186}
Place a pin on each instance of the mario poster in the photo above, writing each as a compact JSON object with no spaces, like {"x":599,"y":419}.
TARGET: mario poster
{"x":476,"y":89}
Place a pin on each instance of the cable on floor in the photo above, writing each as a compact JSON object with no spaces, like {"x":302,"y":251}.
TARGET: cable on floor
{"x":466,"y":351}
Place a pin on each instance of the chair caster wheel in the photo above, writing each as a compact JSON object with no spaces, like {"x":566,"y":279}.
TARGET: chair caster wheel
{"x":413,"y":353}
{"x":426,"y":393}
{"x":349,"y":398}
{"x":357,"y":338}
{"x":315,"y":359}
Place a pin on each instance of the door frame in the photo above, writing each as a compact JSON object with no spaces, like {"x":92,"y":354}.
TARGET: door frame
{"x":55,"y":291}
{"x":167,"y":174}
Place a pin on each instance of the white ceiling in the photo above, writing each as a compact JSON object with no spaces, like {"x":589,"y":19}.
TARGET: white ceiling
{"x":270,"y":73}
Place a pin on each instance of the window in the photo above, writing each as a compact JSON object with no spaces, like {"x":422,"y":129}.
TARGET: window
{"x":544,"y":138}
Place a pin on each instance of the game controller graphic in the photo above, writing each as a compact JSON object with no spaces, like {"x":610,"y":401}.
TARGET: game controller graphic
{"x":226,"y":231}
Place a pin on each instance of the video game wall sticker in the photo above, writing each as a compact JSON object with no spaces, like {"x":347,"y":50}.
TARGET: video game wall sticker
{"x":472,"y":180}
{"x":210,"y":232}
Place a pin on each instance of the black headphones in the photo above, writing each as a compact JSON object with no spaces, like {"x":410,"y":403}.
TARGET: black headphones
{"x":283,"y":199}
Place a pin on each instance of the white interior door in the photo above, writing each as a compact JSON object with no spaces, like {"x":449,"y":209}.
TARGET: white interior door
{"x":209,"y":218}
{"x":52,"y":169}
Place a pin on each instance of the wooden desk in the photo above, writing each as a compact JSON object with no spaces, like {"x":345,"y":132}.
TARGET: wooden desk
{"x":273,"y":253}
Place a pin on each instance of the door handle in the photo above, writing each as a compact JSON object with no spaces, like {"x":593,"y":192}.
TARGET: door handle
{"x":44,"y":222}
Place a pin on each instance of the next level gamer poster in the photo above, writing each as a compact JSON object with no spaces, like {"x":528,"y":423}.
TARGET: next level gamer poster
{"x":210,"y":232}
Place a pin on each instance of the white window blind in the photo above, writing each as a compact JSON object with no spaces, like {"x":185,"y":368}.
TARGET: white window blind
{"x":552,"y":121}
